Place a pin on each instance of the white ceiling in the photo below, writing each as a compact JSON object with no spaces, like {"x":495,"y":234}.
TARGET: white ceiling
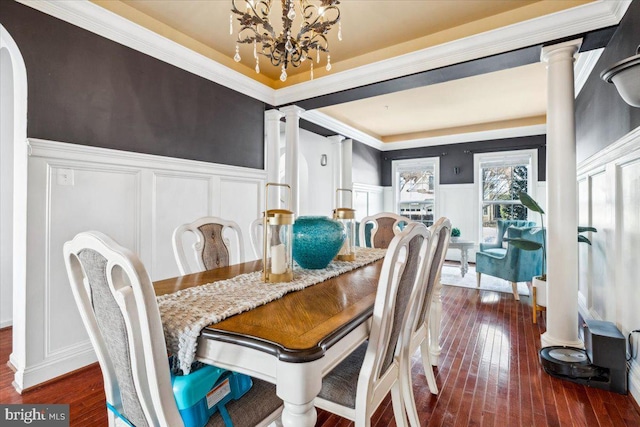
{"x":379,"y":32}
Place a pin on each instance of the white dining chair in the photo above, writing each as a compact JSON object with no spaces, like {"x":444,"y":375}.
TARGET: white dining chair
{"x":420,"y":334}
{"x":255,"y":234}
{"x":212,"y":247}
{"x":355,"y":387}
{"x":386,"y":225}
{"x":118,"y":307}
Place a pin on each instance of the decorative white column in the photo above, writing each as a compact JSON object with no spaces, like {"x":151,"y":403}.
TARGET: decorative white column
{"x":336,"y":167}
{"x":562,"y":198}
{"x":292,"y":140}
{"x":272,"y":150}
{"x":347,"y":166}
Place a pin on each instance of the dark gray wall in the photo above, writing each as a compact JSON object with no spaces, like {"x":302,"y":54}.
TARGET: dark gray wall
{"x":88,"y":90}
{"x":602,"y":117}
{"x":366,"y":164}
{"x":461,"y":156}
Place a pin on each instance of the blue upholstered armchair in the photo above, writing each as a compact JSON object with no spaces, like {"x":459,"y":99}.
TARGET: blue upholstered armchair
{"x":510,"y":263}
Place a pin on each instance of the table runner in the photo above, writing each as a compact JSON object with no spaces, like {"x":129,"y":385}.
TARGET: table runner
{"x":185,"y":313}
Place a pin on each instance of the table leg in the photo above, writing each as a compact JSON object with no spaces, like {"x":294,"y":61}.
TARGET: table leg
{"x":434,"y":323}
{"x":464,"y":261}
{"x":298,"y":384}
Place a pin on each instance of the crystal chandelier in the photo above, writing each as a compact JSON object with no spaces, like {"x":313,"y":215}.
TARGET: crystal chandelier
{"x":290,"y":46}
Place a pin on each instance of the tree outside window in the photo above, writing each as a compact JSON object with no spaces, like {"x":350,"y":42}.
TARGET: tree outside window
{"x":500,"y":187}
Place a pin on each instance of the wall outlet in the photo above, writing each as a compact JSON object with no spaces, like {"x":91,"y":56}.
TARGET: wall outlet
{"x":64,"y":176}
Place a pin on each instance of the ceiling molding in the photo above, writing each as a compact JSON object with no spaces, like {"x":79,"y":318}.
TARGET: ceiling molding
{"x":486,"y":135}
{"x":91,"y":17}
{"x":341,"y":128}
{"x":347,"y":131}
{"x":584,"y":66}
{"x":575,"y":21}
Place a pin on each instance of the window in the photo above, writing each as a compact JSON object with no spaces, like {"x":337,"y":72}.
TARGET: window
{"x":415,"y":189}
{"x":501,"y":177}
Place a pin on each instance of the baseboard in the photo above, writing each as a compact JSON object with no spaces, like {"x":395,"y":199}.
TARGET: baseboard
{"x":634,"y":381}
{"x":35,"y":375}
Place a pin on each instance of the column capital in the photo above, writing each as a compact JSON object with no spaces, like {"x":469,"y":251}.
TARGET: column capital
{"x":568,"y":47}
{"x":336,"y":138}
{"x":273,"y":114}
{"x":292,"y":110}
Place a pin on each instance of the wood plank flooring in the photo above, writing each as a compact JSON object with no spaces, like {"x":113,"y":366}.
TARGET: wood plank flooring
{"x":489,"y":375}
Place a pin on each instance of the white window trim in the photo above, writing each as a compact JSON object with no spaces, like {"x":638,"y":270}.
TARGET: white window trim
{"x":411,"y":163}
{"x":499,"y":155}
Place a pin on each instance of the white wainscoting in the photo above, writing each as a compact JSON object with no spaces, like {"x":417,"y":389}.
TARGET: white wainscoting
{"x":135,"y":198}
{"x":457,"y":202}
{"x":368,"y":199}
{"x":609,"y":197}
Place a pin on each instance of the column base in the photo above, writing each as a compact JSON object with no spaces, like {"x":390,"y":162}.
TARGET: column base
{"x":546,"y":340}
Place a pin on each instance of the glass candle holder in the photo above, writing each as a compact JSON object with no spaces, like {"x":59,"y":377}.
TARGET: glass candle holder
{"x":277,"y":259}
{"x":347,"y":217}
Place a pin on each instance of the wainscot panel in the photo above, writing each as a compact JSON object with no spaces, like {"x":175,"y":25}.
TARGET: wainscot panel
{"x":367,"y":200}
{"x":137,"y":199}
{"x":456,"y":204}
{"x":609,"y":184}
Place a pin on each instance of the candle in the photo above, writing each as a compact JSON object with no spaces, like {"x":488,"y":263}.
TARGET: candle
{"x":278,"y":259}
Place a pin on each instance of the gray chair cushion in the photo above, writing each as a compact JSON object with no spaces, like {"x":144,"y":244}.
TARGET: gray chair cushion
{"x":113,"y":330}
{"x":252,"y":408}
{"x":340,"y":385}
{"x":215,"y":253}
{"x":405,"y":287}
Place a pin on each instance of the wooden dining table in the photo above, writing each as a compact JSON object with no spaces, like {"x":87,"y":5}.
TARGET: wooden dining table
{"x":293,"y":341}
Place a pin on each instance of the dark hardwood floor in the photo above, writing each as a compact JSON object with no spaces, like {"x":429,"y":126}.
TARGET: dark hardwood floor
{"x":489,"y":375}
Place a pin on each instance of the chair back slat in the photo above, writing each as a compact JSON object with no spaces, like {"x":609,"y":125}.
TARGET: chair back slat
{"x":113,"y":329}
{"x":215,"y":252}
{"x":402,"y":272}
{"x":440,"y":237}
{"x":386,"y":226}
{"x":212,"y":248}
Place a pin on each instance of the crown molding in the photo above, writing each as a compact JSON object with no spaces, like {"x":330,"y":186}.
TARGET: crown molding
{"x":340,"y":128}
{"x":486,"y":135}
{"x":347,"y":131}
{"x":575,"y":21}
{"x":584,"y":66}
{"x":91,"y":17}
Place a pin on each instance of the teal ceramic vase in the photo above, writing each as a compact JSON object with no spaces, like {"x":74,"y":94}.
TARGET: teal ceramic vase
{"x":316,"y":241}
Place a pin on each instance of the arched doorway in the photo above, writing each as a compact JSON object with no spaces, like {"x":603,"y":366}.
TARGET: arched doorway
{"x":13,"y":198}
